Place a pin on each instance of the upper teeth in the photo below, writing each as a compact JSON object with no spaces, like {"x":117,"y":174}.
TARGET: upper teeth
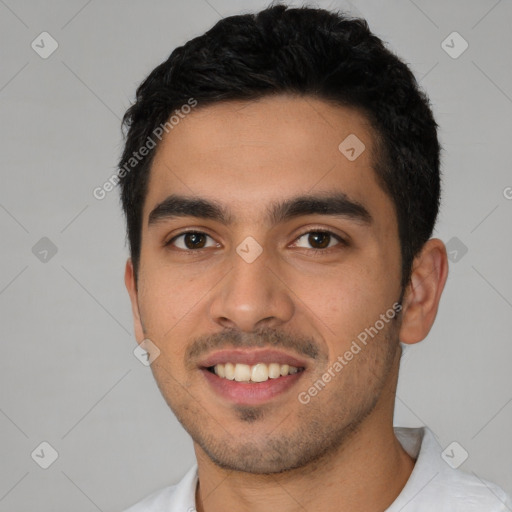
{"x":259,"y":372}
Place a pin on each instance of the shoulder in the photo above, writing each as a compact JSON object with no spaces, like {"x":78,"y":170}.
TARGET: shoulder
{"x":435,"y":485}
{"x":155,"y":502}
{"x":464,"y":492}
{"x":174,"y":498}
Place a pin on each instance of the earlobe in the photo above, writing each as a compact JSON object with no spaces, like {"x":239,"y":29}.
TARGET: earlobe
{"x":131,"y":287}
{"x":423,"y":293}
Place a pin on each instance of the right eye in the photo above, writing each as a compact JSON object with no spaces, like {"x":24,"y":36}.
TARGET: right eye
{"x":190,"y":241}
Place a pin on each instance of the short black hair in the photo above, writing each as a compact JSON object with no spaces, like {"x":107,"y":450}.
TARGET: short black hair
{"x":300,"y":51}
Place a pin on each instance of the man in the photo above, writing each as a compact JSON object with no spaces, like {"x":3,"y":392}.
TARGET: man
{"x":281,"y":183}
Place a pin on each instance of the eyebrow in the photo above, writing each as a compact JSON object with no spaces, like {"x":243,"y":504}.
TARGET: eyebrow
{"x":334,"y":204}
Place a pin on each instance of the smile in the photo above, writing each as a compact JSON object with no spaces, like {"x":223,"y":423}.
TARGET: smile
{"x":260,"y":372}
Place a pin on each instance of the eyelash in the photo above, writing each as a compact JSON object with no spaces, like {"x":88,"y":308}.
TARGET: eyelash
{"x":341,"y":241}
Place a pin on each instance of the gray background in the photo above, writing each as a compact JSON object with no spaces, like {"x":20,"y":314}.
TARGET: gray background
{"x":68,"y":374}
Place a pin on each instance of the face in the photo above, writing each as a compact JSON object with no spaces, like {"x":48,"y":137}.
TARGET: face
{"x":264,"y":245}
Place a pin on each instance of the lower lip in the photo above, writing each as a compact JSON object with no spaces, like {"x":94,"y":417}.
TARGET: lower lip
{"x":251,"y":393}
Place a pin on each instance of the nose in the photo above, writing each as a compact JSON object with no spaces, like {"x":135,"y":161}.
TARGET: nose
{"x":252,"y":296}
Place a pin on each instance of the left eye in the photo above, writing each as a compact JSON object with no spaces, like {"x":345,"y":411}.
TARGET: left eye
{"x":318,"y":240}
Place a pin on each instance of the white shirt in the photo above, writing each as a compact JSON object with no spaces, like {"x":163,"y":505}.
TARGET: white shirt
{"x":434,"y":486}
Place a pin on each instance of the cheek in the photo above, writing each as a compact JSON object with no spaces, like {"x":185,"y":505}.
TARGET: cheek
{"x":166,"y":301}
{"x":346,"y":300}
{"x":334,"y":298}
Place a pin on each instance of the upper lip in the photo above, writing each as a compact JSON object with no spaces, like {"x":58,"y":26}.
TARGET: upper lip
{"x":251,"y":357}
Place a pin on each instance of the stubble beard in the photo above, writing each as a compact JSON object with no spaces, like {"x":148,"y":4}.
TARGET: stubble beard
{"x":320,"y":429}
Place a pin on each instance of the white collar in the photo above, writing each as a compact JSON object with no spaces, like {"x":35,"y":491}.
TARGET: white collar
{"x":432,"y":485}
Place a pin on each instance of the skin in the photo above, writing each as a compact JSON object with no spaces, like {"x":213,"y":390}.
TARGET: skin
{"x":191,"y":302}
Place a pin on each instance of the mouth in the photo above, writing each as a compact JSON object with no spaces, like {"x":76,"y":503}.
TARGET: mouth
{"x":259,"y":372}
{"x":251,"y":378}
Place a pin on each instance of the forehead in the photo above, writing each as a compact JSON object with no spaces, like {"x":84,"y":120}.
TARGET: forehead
{"x":251,"y":153}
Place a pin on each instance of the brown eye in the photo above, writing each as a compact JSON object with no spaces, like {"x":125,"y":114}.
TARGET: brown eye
{"x":191,"y":240}
{"x":318,"y":240}
{"x":194,"y":240}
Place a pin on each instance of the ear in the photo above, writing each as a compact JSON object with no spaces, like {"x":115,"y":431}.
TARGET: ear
{"x":131,"y":286}
{"x":423,"y":293}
